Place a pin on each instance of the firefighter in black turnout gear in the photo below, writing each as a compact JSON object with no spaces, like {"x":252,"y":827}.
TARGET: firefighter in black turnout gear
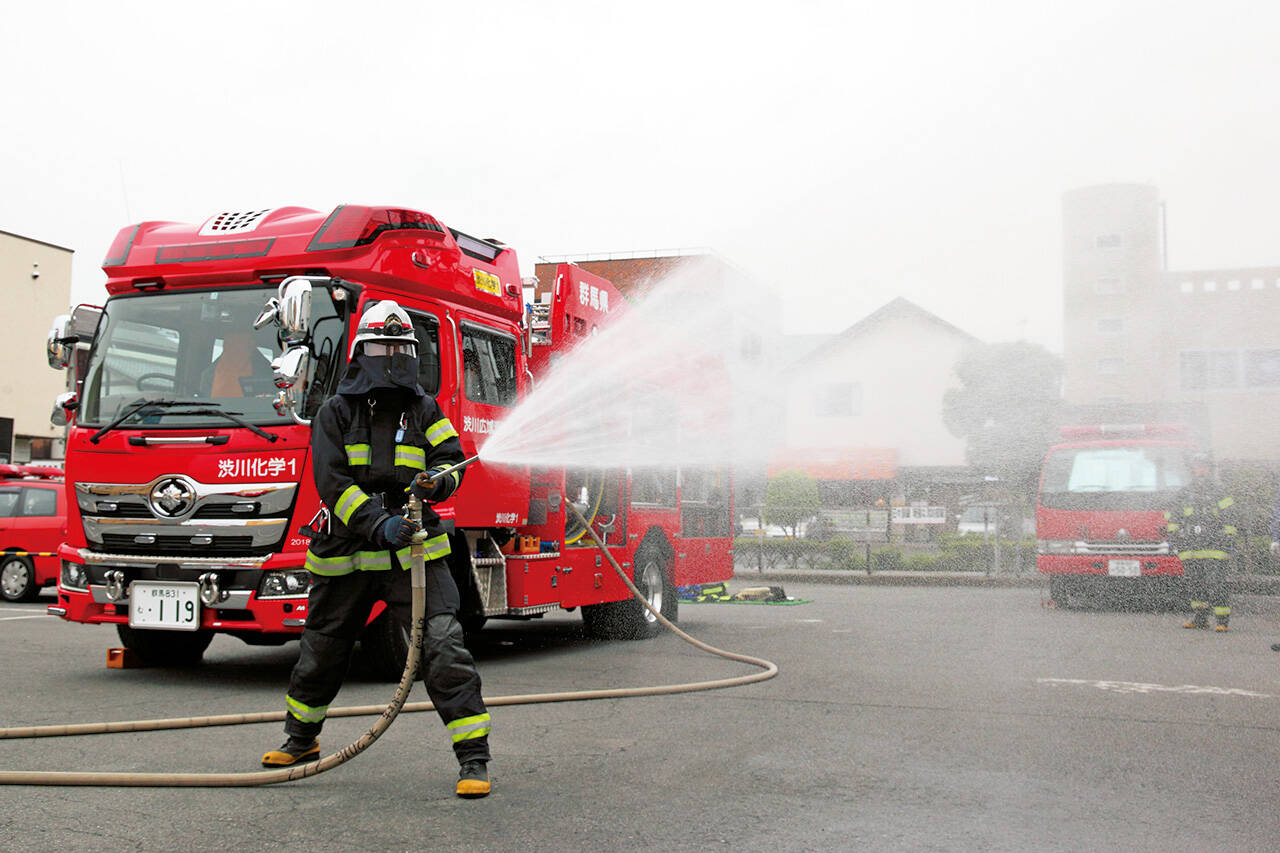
{"x":1201,"y":528}
{"x":375,"y":441}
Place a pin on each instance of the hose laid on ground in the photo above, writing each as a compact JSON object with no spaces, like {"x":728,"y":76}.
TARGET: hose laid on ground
{"x":389,"y":712}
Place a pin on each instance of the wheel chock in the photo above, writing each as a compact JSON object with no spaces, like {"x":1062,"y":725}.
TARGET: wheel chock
{"x":123,"y":659}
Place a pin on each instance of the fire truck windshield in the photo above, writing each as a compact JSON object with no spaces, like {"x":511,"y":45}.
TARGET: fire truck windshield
{"x":1113,"y":477}
{"x":197,"y":347}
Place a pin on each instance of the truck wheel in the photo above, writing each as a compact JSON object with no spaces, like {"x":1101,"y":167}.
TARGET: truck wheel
{"x":629,"y":619}
{"x":1061,"y":590}
{"x":386,"y":647}
{"x":17,"y":578}
{"x":166,"y":648}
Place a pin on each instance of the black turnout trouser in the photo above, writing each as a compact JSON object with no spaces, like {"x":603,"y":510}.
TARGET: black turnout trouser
{"x":337,"y":610}
{"x":1207,"y":588}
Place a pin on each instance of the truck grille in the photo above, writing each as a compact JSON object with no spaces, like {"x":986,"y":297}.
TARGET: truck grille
{"x":180,"y":546}
{"x":1134,"y":549}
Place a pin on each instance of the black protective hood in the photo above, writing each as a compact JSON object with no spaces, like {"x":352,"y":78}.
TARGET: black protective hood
{"x":367,"y":373}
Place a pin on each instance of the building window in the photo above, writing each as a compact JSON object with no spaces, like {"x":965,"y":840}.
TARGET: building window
{"x":1209,"y":370}
{"x":1262,"y":368}
{"x":1210,"y":286}
{"x":1233,"y":284}
{"x":1257,"y":284}
{"x":1187,"y":286}
{"x":1109,"y":241}
{"x":1110,"y":325}
{"x":1108,"y":284}
{"x":1110,"y":365}
{"x":838,"y":400}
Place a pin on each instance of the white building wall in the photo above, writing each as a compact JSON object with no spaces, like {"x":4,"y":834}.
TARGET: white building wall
{"x":28,"y":385}
{"x":900,"y":367}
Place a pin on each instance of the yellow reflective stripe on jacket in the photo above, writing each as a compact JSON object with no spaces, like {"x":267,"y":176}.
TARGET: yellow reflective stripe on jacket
{"x":1204,"y":554}
{"x":1230,"y":530}
{"x":412,"y":457}
{"x":1188,"y":510}
{"x":469,"y":728}
{"x":1172,"y":526}
{"x":440,"y":431}
{"x":435,"y":548}
{"x":329,"y":566}
{"x":358,"y":454}
{"x":351,"y":500}
{"x":306,"y":713}
{"x":1226,"y":502}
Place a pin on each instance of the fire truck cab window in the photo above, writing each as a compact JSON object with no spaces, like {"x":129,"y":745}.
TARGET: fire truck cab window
{"x":198,"y":346}
{"x":9,"y":502}
{"x":1096,"y":477}
{"x":488,"y":366}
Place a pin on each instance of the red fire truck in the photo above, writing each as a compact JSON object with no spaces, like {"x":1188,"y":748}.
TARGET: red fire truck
{"x":1100,"y":524}
{"x":188,"y":468}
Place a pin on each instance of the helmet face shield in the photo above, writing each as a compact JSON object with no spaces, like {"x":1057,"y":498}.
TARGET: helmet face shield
{"x":379,"y":349}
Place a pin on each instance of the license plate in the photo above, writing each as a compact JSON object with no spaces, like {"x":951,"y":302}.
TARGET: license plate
{"x":1124,"y":568}
{"x":164,"y":604}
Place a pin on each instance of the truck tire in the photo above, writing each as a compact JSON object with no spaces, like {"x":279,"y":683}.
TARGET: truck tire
{"x":17,"y":578}
{"x":629,"y":619}
{"x":1062,"y":590}
{"x":166,"y":648}
{"x":385,"y":644}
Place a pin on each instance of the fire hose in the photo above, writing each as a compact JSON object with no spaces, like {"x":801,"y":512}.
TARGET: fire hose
{"x":387,"y":713}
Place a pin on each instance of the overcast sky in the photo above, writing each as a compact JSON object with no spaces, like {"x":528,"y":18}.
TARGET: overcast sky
{"x":847,"y":153}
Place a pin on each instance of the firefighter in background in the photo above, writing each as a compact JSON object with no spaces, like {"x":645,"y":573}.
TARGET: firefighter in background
{"x":1202,"y":530}
{"x":373,"y":443}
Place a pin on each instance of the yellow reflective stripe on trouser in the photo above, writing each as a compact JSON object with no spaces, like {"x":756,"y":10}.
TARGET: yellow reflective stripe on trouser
{"x":352,"y":499}
{"x":1230,"y":530}
{"x":412,"y":457}
{"x":329,"y":566}
{"x":306,"y":713}
{"x":468,"y":728}
{"x":1204,"y":555}
{"x":358,"y":454}
{"x":439,"y":431}
{"x":1226,"y":502}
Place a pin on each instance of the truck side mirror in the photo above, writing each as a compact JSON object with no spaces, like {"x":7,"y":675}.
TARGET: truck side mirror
{"x":290,"y":366}
{"x":295,"y":309}
{"x":63,"y":405}
{"x":60,"y":344}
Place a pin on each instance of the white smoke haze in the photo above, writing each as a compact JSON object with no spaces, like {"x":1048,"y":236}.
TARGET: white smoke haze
{"x":667,"y":384}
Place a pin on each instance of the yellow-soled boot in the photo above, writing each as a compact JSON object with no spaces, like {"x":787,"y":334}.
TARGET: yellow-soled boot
{"x":293,"y":751}
{"x":473,"y":780}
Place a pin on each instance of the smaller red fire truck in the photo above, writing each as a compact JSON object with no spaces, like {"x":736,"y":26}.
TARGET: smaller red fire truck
{"x":1100,"y":524}
{"x":188,"y":464}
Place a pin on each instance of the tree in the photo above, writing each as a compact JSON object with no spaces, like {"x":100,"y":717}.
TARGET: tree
{"x":1006,"y":408}
{"x":791,"y":498}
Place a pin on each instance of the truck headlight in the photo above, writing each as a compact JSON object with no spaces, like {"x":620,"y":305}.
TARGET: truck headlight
{"x":292,"y":583}
{"x":73,"y":576}
{"x":1055,"y":546}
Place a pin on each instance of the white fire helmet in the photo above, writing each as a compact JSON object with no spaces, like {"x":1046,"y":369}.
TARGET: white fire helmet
{"x":384,"y":322}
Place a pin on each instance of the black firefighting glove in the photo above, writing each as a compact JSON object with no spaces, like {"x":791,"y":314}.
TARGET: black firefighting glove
{"x":431,"y":491}
{"x":396,"y":532}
